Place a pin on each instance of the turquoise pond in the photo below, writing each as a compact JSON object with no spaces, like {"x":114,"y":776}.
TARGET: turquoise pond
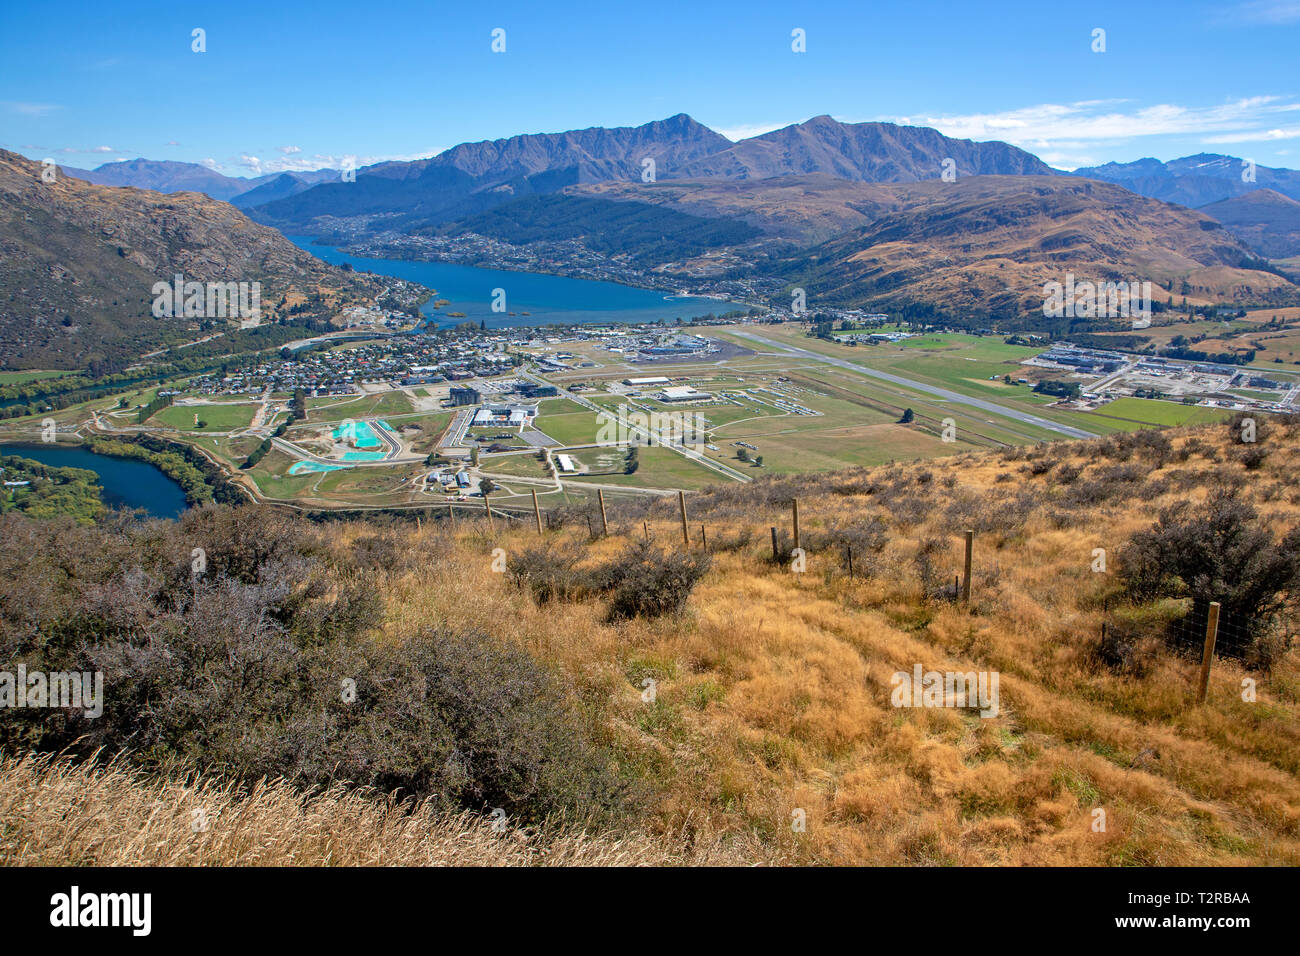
{"x":359,"y":434}
{"x":304,"y":467}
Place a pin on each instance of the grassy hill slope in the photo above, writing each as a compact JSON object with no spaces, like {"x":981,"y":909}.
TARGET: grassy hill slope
{"x":767,"y":695}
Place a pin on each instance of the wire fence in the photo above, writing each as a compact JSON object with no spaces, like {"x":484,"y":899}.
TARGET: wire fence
{"x":1235,"y":633}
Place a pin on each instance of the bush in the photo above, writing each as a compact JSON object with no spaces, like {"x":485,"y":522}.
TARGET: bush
{"x":1217,"y":553}
{"x":649,"y":582}
{"x":1123,"y":650}
{"x":264,"y":665}
{"x":1239,"y":431}
{"x":551,"y":574}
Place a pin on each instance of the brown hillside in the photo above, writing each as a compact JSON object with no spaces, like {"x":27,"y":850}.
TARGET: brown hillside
{"x":91,"y":254}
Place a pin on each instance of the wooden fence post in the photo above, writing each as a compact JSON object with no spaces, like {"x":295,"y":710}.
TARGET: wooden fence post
{"x":704,"y":538}
{"x":488,"y":508}
{"x":965,"y":581}
{"x":1207,"y":654}
{"x":604,"y":521}
{"x":686,"y":534}
{"x":645,"y":526}
{"x":850,"y":551}
{"x":795,"y":503}
{"x":776,"y":554}
{"x":537,"y":510}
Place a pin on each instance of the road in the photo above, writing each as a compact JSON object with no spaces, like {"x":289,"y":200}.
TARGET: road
{"x":956,"y":397}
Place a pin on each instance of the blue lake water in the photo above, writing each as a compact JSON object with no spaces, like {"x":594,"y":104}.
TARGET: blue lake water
{"x":549,"y":300}
{"x":126,"y":482}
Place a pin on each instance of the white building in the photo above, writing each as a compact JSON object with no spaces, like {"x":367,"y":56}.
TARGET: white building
{"x":682,"y":393}
{"x":643,"y":382}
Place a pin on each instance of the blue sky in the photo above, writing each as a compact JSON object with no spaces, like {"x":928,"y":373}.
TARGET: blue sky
{"x":306,"y":85}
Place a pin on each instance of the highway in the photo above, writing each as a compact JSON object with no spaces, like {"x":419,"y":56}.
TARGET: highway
{"x":956,"y":397}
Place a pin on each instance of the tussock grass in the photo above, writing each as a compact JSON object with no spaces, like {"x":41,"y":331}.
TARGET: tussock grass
{"x":59,"y":813}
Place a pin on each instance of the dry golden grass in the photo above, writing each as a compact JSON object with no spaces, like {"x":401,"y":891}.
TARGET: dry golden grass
{"x":773,"y":696}
{"x":58,"y":814}
{"x":774,"y":691}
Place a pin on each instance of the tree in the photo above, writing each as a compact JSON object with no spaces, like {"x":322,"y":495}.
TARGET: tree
{"x":743,"y":455}
{"x":758,"y":460}
{"x":908,"y":415}
{"x":487,"y":486}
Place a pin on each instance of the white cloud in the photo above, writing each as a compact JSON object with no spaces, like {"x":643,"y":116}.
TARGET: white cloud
{"x":246,"y":162}
{"x":1065,"y":134}
{"x":93,"y":149}
{"x":290,"y":150}
{"x":737,"y":133}
{"x":1256,"y":136}
{"x":1267,"y":11}
{"x":30,"y":109}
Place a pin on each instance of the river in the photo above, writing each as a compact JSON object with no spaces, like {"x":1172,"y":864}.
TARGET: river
{"x":126,"y":482}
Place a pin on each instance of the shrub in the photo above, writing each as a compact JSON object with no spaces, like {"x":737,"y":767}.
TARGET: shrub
{"x":551,"y":574}
{"x":1123,"y":650}
{"x":1239,"y":431}
{"x":1252,"y":457}
{"x":649,"y":582}
{"x":1217,"y":553}
{"x":241,"y":670}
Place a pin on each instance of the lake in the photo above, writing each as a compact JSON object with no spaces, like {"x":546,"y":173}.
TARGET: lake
{"x":126,"y":482}
{"x":549,"y":300}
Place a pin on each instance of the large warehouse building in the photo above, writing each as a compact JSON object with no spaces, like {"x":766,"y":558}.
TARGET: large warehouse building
{"x":683,"y":393}
{"x":511,"y":416}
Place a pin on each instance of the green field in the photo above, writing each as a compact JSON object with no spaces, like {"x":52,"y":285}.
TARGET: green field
{"x":576,"y":428}
{"x":523,"y":466}
{"x":222,"y":417}
{"x":1151,"y":411}
{"x":22,"y":378}
{"x":659,"y":468}
{"x":380,"y":405}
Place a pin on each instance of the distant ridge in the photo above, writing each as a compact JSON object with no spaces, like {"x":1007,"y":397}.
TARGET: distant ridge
{"x":1266,"y":221}
{"x":1196,"y":181}
{"x":169,"y":176}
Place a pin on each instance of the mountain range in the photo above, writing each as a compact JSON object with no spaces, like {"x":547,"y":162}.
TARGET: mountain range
{"x":451,"y":191}
{"x":475,"y":177}
{"x":1196,"y":181}
{"x":863,"y":214}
